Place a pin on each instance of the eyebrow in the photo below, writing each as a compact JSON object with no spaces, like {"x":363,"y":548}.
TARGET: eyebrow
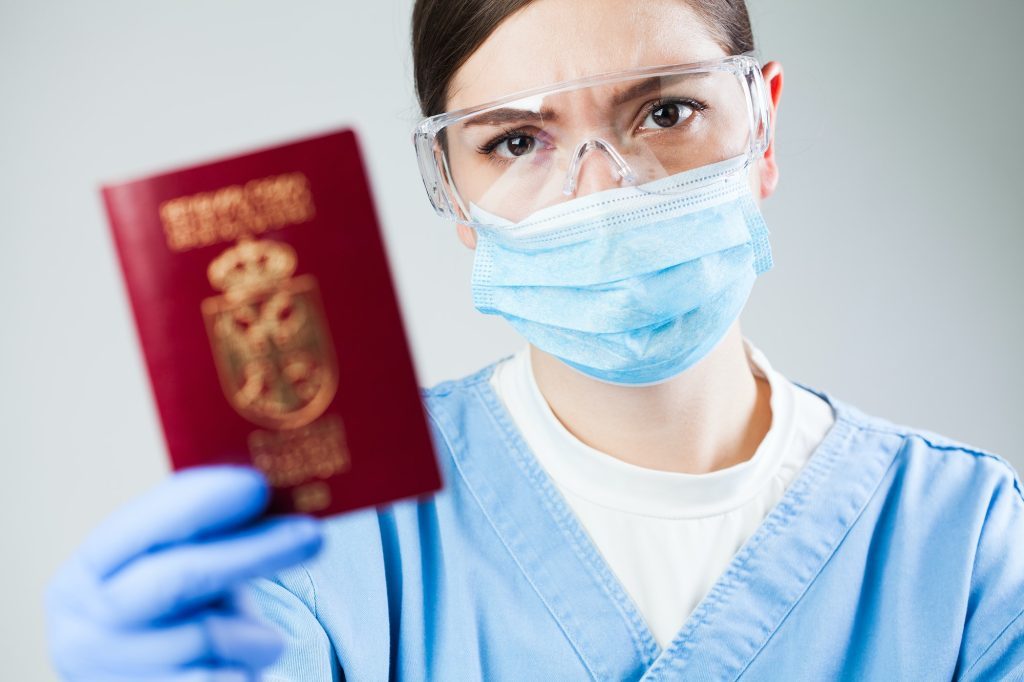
{"x":507,"y":115}
{"x":502,"y":116}
{"x":637,"y":89}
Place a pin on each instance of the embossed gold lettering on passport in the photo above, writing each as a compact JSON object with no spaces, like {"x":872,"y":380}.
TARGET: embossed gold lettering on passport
{"x":294,"y":456}
{"x":269,"y":335}
{"x":228,"y":213}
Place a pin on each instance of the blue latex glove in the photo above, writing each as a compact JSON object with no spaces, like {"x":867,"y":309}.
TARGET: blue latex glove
{"x":151,"y":593}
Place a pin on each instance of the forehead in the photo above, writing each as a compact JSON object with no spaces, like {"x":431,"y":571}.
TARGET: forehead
{"x":549,"y":41}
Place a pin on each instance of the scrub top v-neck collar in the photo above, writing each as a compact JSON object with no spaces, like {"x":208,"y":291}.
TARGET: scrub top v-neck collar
{"x":743,"y":608}
{"x":607,"y":481}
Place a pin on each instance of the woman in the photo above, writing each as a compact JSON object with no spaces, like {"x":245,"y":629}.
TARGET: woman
{"x":635,"y":494}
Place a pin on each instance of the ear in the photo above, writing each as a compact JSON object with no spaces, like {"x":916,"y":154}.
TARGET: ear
{"x":769,"y":171}
{"x":467,"y":235}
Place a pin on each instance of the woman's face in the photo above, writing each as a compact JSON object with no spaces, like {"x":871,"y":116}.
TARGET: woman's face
{"x":549,"y":41}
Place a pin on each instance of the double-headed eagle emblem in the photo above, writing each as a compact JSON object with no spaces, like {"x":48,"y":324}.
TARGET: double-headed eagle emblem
{"x":269,"y":335}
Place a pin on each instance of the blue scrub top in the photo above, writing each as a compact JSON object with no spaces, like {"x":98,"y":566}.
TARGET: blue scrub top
{"x":895,"y":553}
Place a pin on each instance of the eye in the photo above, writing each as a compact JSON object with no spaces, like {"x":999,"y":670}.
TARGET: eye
{"x":510,"y":145}
{"x":669,"y":114}
{"x":515,"y":146}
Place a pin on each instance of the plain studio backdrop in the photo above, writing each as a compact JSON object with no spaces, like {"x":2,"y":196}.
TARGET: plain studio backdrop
{"x":896,"y":227}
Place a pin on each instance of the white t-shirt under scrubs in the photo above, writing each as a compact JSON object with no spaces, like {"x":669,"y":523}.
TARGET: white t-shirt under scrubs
{"x":667,"y":536}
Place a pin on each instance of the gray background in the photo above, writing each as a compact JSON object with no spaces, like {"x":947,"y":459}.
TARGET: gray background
{"x":896,"y":227}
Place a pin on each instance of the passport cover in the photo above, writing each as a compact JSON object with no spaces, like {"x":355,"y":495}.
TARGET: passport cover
{"x":271,"y":332}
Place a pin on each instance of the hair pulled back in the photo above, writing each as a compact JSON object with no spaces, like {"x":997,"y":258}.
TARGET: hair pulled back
{"x":446,"y":32}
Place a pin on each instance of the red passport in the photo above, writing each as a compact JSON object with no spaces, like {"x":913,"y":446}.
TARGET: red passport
{"x":272,"y":335}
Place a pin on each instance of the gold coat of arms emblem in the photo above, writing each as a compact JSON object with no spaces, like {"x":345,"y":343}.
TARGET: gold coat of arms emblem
{"x":269,"y":335}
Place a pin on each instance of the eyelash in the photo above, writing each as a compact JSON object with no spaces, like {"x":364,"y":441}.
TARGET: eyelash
{"x":692,"y":103}
{"x":507,"y":134}
{"x":512,"y":133}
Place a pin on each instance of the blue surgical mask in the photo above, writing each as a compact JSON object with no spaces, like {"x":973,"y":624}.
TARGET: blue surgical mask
{"x":628,"y":285}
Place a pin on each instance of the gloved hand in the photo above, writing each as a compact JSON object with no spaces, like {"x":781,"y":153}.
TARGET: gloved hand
{"x":150,"y":594}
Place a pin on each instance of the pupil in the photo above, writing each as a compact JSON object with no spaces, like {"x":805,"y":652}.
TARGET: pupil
{"x":666,"y":116}
{"x":518,"y":145}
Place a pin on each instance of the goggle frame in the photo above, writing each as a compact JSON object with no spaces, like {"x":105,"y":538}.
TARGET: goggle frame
{"x":433,"y":162}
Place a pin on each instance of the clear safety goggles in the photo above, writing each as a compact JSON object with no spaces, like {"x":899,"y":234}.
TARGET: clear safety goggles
{"x":497,"y":163}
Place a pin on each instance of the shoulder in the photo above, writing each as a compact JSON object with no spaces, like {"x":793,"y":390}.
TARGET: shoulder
{"x":455,"y":406}
{"x":444,"y":389}
{"x":947,"y":516}
{"x":923,"y":452}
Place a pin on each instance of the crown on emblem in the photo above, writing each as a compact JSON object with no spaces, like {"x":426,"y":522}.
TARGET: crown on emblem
{"x":252,"y":264}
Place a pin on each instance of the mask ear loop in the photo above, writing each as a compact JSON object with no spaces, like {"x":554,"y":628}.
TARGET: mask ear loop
{"x":621,"y":167}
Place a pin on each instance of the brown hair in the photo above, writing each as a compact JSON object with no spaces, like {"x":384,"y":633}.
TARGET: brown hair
{"x":446,"y":32}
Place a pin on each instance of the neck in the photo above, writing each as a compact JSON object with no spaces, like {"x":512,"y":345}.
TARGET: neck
{"x":712,"y":416}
